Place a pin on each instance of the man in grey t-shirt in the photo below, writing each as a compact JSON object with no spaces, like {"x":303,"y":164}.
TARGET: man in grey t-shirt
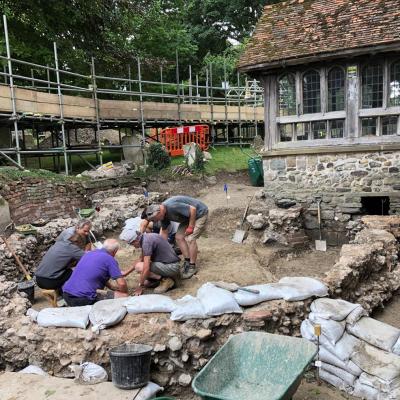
{"x":158,"y":262}
{"x":55,"y":268}
{"x":192,"y":216}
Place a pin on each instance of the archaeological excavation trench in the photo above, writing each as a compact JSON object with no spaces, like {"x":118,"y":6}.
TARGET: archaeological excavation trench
{"x":363,"y":271}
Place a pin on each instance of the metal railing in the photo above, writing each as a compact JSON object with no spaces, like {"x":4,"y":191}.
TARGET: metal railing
{"x":100,"y":87}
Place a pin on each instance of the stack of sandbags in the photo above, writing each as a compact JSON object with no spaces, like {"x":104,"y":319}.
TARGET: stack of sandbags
{"x":358,"y":354}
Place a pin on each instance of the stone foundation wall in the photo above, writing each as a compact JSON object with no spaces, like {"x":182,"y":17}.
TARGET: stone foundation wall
{"x":367,"y":273}
{"x":340,"y":179}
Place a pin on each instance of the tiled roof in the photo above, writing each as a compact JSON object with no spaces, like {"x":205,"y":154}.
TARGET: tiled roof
{"x":303,"y":28}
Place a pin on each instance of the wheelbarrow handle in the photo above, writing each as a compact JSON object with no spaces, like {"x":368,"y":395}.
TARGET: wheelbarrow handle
{"x":254,"y":291}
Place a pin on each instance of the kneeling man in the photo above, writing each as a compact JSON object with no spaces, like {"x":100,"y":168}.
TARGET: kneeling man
{"x":158,"y":262}
{"x":94,"y":271}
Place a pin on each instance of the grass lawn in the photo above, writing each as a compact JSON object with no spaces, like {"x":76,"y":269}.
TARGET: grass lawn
{"x":224,"y":158}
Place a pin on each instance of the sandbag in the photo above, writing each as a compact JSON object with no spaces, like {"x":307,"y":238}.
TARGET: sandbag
{"x":269,"y":291}
{"x":380,"y":384}
{"x":356,"y":315}
{"x":345,"y":347}
{"x":395,"y":348}
{"x":33,"y":369}
{"x":377,"y":362}
{"x":66,"y":317}
{"x":148,"y":392}
{"x":217,"y":301}
{"x":150,"y":303}
{"x":329,"y":358}
{"x":345,"y":376}
{"x":132,"y":225}
{"x":394,"y":395}
{"x":89,"y":373}
{"x":333,"y":380}
{"x":188,"y":307}
{"x":107,"y":313}
{"x":300,"y":288}
{"x":375,"y":332}
{"x":335,"y":309}
{"x":332,"y":330}
{"x":365,"y":391}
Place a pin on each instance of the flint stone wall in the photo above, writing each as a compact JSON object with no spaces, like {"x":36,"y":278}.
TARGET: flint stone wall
{"x":340,"y":179}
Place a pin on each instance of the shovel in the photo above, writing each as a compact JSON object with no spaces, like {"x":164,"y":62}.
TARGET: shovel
{"x":233,"y":287}
{"x":320,"y":244}
{"x":239,"y":234}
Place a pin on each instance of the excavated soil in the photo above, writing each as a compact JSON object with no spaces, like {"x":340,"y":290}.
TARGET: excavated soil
{"x":248,"y":263}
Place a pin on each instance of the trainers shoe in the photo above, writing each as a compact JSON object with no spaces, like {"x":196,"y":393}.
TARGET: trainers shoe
{"x":188,"y":271}
{"x":165,"y":285}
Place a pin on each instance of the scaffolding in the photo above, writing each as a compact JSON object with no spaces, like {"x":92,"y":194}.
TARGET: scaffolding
{"x":27,"y":102}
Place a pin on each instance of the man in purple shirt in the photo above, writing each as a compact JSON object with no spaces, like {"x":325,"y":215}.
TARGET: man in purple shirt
{"x":94,"y":271}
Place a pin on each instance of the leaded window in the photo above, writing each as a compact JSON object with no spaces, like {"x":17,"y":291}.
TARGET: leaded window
{"x":318,"y":129}
{"x":389,"y":125}
{"x":368,"y":126}
{"x":336,"y":128}
{"x":336,"y":89}
{"x":311,"y":92}
{"x":287,"y":95}
{"x":286,"y":132}
{"x":372,"y":86}
{"x":302,"y":130}
{"x":394,"y":88}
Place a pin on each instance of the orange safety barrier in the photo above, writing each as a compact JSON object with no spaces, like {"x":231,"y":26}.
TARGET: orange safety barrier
{"x":175,"y":138}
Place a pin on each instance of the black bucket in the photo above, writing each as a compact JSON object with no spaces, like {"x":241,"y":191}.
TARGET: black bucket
{"x":27,"y":287}
{"x":130,"y":365}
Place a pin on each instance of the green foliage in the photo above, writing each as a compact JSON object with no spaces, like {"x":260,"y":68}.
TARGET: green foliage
{"x":115,"y":32}
{"x":158,"y":157}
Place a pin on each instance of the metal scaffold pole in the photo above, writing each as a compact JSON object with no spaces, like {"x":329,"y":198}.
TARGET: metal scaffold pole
{"x":142,"y":123}
{"x":178,"y":89}
{"x":96,"y":106}
{"x":162,"y":84}
{"x":129,"y":82}
{"x":213,"y":133}
{"x":60,"y":102}
{"x":254,"y":107}
{"x":226,"y":104}
{"x":12,"y":92}
{"x":239,"y":109}
{"x":190,"y":84}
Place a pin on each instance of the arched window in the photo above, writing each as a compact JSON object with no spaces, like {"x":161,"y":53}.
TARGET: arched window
{"x":336,"y":89}
{"x":372,"y":86}
{"x":287,"y":95}
{"x":394,"y":89}
{"x":311,"y":92}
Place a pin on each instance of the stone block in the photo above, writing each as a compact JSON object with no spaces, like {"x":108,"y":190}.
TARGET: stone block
{"x":278,"y":164}
{"x":301,"y":163}
{"x":359,"y":173}
{"x":291,"y":162}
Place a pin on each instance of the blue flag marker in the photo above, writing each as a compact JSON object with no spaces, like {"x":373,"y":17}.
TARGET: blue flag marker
{"x":226,"y":193}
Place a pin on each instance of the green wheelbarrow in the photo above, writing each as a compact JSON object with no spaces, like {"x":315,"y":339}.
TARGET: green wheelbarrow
{"x":255,"y":366}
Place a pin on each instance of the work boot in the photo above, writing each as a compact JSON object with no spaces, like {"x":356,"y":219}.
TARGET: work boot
{"x":188,"y":270}
{"x":165,"y":285}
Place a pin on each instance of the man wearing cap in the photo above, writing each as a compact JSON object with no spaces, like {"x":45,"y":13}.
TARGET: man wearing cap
{"x":192,"y":216}
{"x":157,"y":263}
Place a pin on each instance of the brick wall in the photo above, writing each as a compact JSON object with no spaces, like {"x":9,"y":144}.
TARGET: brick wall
{"x":31,"y":199}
